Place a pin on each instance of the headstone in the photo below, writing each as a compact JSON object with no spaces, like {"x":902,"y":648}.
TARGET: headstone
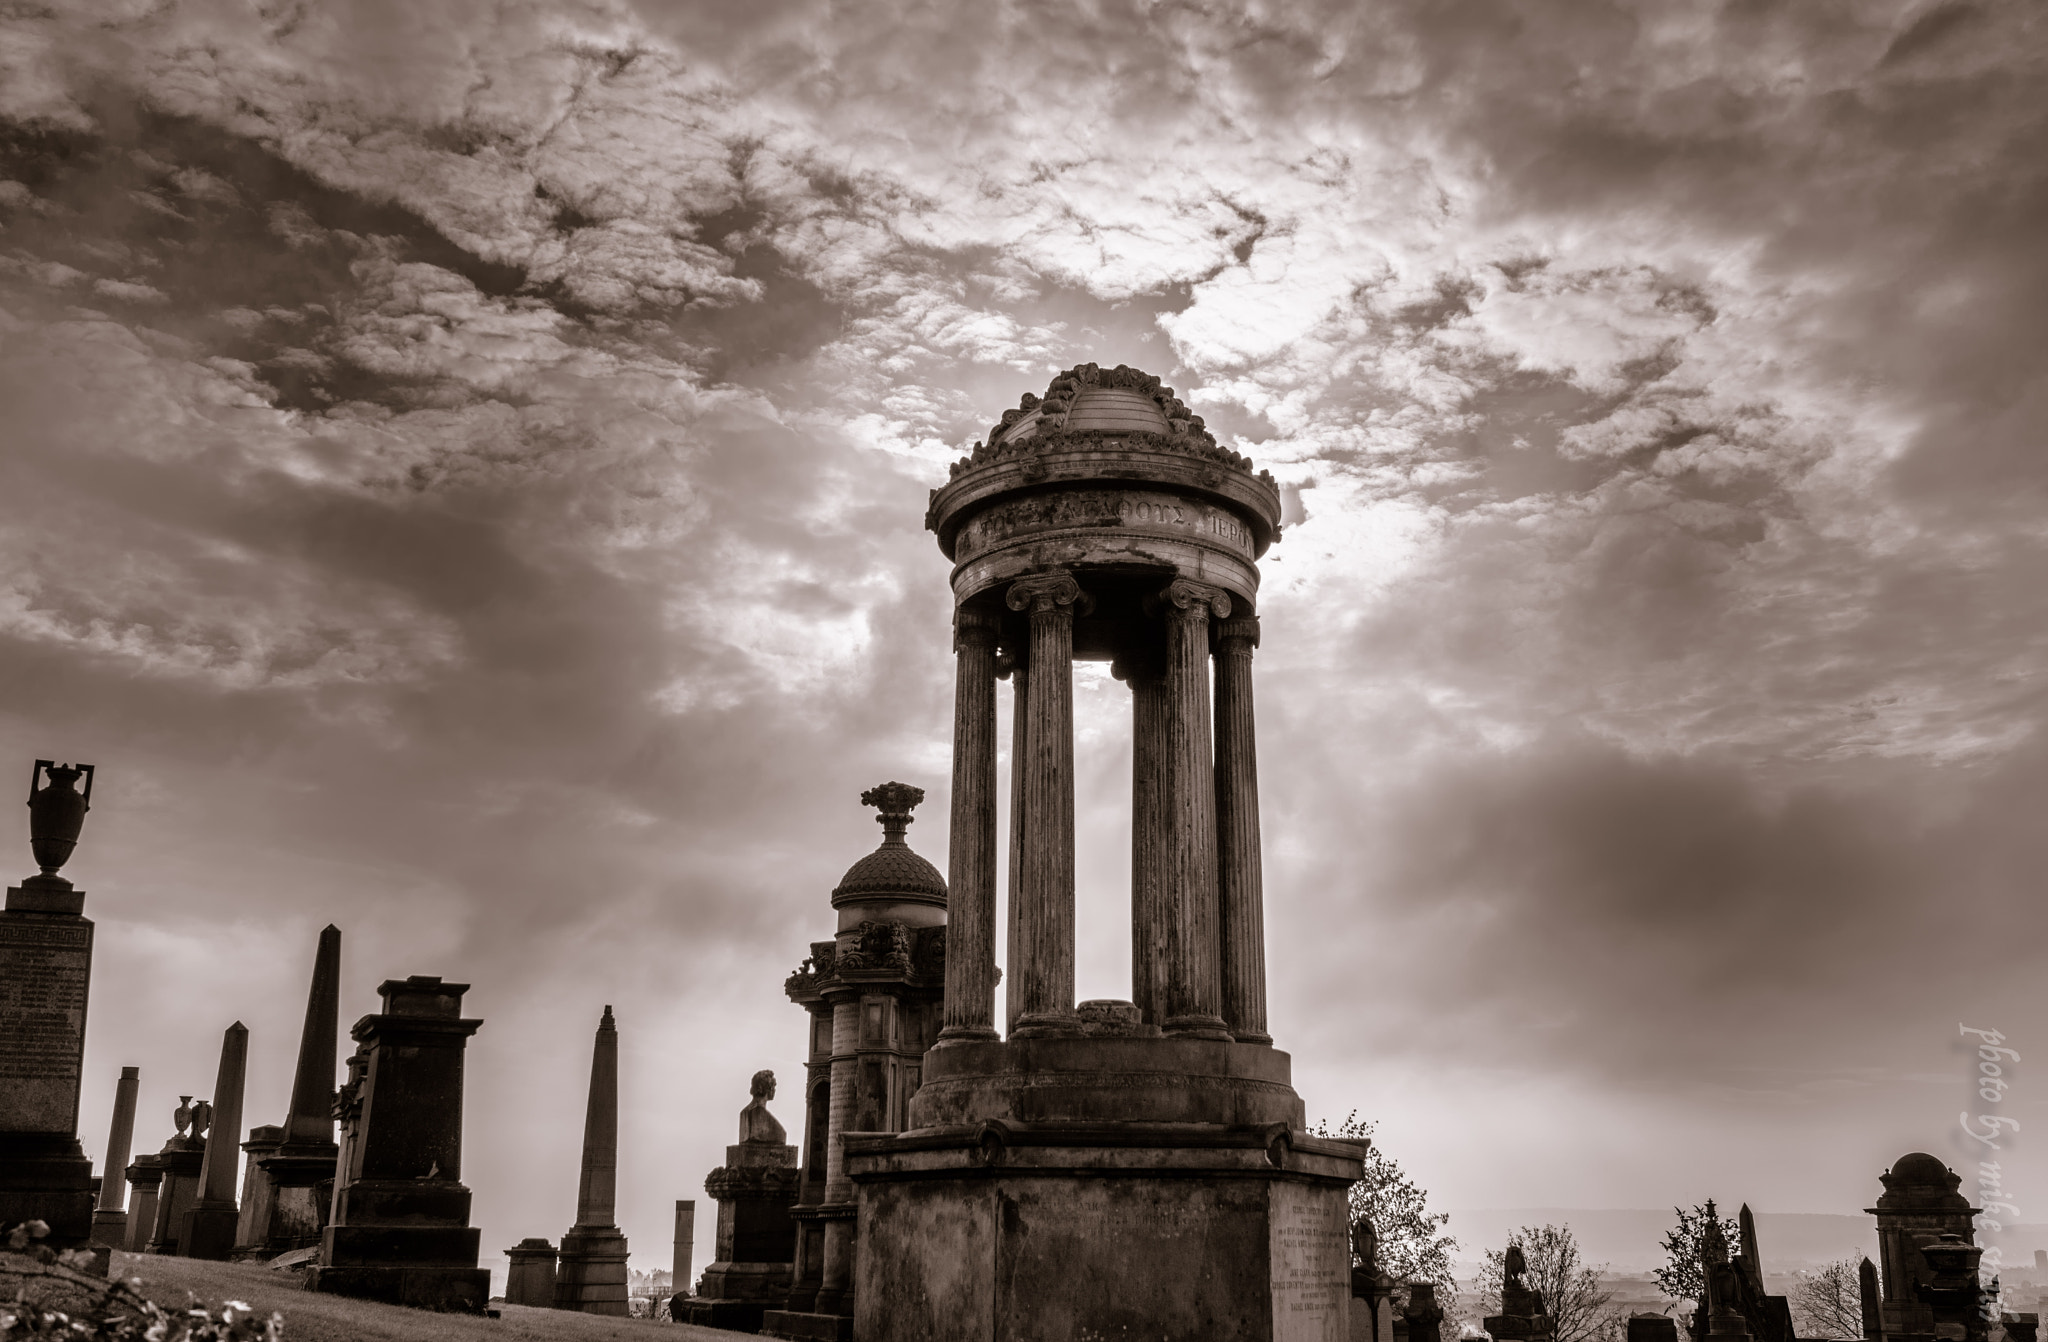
{"x":145,"y":1179}
{"x":297,"y":1174}
{"x":755,"y":1189}
{"x":110,"y":1220}
{"x":209,"y":1227}
{"x":591,"y":1276}
{"x":531,"y":1278}
{"x":259,"y":1195}
{"x":400,"y":1231}
{"x":1522,"y":1316}
{"x":1424,"y":1316}
{"x":1652,"y":1328}
{"x":45,"y":975}
{"x":180,"y":1161}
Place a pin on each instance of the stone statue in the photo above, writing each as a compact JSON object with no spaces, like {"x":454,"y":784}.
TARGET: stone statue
{"x":1516,"y":1265}
{"x":757,"y":1125}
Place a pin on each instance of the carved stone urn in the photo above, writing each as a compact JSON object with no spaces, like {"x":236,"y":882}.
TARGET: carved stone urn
{"x":56,"y":812}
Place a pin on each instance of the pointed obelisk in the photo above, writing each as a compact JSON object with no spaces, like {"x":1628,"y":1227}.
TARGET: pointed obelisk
{"x":109,"y":1220}
{"x":294,"y":1184}
{"x":209,"y":1229}
{"x":592,"y":1272}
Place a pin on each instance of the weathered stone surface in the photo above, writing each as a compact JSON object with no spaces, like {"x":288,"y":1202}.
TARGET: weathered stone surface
{"x":400,"y":1231}
{"x":531,"y":1278}
{"x":109,"y":1221}
{"x":45,"y":977}
{"x":209,"y":1227}
{"x":590,"y":1275}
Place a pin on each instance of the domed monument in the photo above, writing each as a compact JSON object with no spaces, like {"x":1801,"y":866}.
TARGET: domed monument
{"x":1110,"y":1168}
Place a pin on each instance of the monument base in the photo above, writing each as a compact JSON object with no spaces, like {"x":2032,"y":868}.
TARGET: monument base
{"x":45,"y":1176}
{"x":110,"y":1229}
{"x":209,"y":1231}
{"x":803,"y":1327}
{"x":734,"y":1316}
{"x":301,"y":1191}
{"x":405,"y":1242}
{"x":590,"y":1274}
{"x":446,"y":1290}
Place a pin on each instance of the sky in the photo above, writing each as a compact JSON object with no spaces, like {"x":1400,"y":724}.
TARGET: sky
{"x":462,"y":469}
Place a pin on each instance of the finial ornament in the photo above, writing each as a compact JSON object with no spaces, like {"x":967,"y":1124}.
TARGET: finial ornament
{"x":56,"y":812}
{"x":895,"y":801}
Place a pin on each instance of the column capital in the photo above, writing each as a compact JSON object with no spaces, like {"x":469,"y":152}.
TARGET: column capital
{"x":1046,"y":591}
{"x":1243,"y":628}
{"x":1191,"y":597}
{"x":974,"y":627}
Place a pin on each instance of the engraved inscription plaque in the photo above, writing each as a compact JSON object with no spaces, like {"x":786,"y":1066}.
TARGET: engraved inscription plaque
{"x":1132,"y":511}
{"x":1311,"y":1264}
{"x":45,"y":968}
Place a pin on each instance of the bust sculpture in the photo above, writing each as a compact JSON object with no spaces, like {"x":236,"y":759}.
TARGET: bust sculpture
{"x":757,"y":1125}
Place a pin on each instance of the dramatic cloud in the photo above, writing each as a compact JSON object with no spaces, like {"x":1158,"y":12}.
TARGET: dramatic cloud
{"x":465,"y":463}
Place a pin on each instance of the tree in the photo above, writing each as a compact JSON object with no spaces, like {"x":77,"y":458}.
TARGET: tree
{"x":1681,"y":1279}
{"x":1412,"y":1243}
{"x":1580,"y":1309}
{"x":1829,"y":1303}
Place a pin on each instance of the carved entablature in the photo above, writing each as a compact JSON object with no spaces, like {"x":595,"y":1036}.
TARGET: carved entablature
{"x":870,"y":953}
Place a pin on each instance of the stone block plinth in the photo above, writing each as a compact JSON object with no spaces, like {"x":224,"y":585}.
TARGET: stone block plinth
{"x":531,"y":1278}
{"x":45,"y":974}
{"x":592,"y":1272}
{"x":179,"y":1163}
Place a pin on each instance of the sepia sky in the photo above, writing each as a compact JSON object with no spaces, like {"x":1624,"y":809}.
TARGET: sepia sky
{"x":462,"y":469}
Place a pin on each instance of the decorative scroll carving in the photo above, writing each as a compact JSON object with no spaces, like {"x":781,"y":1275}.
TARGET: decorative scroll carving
{"x":1043,"y":592}
{"x":882,"y":946}
{"x":1244,"y":629}
{"x":1186,"y":595}
{"x":730,"y":1181}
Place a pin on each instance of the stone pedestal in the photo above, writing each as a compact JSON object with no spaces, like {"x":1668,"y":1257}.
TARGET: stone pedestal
{"x":259,"y":1195}
{"x":180,"y":1161}
{"x":591,"y":1276}
{"x":755,"y":1189}
{"x":1053,"y":1188}
{"x":145,"y":1180}
{"x":297,"y":1172}
{"x":45,"y":975}
{"x":401,"y":1232}
{"x":531,"y":1278}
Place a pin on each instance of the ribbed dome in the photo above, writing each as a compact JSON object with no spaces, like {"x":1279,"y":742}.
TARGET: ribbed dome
{"x":1099,"y":410}
{"x":892,"y":872}
{"x":892,"y":869}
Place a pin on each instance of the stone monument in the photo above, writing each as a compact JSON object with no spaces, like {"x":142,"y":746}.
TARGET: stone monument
{"x":530,"y":1280}
{"x":145,"y":1181}
{"x":592,"y":1272}
{"x":209,"y":1226}
{"x":1522,"y":1316}
{"x":109,"y":1220}
{"x":875,"y":997}
{"x":179,"y":1164}
{"x":1928,"y":1261}
{"x":756,"y":1239}
{"x":684,"y":1248}
{"x":400,"y":1229}
{"x":1110,"y":1167}
{"x":291,"y":1178}
{"x":45,"y":977}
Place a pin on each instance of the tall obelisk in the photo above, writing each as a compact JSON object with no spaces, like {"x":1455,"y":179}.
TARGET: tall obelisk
{"x":209,"y":1230}
{"x":109,"y":1221}
{"x":295,"y":1182}
{"x":592,"y":1272}
{"x":45,"y":972}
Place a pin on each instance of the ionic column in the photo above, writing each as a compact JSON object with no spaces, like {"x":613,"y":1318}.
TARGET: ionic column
{"x":1239,"y":883}
{"x":1193,"y":1005}
{"x":1151,"y":840}
{"x":1042,"y":922}
{"x":971,"y":864}
{"x":1020,"y":683}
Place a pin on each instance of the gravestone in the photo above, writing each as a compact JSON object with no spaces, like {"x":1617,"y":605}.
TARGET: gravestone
{"x":685,"y":1246}
{"x":295,"y":1175}
{"x":110,"y":1220}
{"x":400,"y":1231}
{"x":591,"y":1276}
{"x":45,"y":976}
{"x":756,"y":1239}
{"x":145,"y":1180}
{"x":209,"y":1227}
{"x":259,"y":1195}
{"x":181,"y":1160}
{"x":531,"y":1278}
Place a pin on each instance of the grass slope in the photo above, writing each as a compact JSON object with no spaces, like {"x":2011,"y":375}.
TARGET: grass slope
{"x":311,"y":1317}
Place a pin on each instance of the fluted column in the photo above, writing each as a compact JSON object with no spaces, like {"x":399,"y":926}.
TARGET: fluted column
{"x":1042,"y":948}
{"x":1193,"y":986}
{"x":1240,"y":885}
{"x":1020,"y":721}
{"x":971,"y":861}
{"x":1151,"y":840}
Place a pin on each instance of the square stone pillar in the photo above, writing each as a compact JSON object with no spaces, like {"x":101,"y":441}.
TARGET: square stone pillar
{"x":145,"y":1181}
{"x":531,"y":1278}
{"x":259,"y":1194}
{"x":45,"y":976}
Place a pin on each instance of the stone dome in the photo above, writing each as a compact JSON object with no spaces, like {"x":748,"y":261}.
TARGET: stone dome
{"x":892,"y":874}
{"x":1921,"y":1168}
{"x":1096,"y":410}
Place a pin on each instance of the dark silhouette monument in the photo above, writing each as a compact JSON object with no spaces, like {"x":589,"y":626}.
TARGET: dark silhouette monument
{"x":591,"y":1275}
{"x":1109,"y":1168}
{"x":400,"y":1229}
{"x":208,"y":1229}
{"x":290,"y":1187}
{"x":756,"y":1240}
{"x":109,"y":1219}
{"x":1925,"y":1285}
{"x":45,"y":978}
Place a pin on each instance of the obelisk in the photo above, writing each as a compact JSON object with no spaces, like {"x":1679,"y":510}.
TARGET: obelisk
{"x":296,"y":1180}
{"x":592,"y":1273}
{"x":45,"y":972}
{"x":209,"y":1229}
{"x":110,"y":1221}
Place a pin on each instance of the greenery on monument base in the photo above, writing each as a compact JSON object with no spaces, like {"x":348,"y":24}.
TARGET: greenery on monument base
{"x":1413,"y":1245}
{"x":1829,"y":1302}
{"x":1682,"y":1279}
{"x":1571,"y":1291}
{"x":55,"y":1295}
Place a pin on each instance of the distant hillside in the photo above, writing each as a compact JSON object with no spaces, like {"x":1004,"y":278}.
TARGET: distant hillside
{"x":1631,"y":1239}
